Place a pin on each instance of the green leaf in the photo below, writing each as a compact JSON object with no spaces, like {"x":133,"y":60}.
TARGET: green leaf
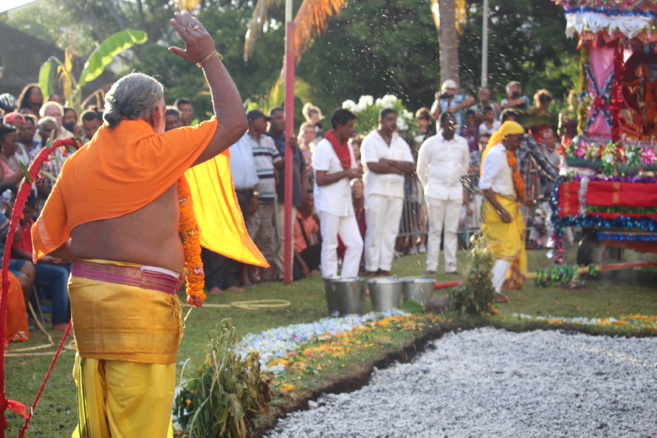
{"x":108,"y":49}
{"x":47,"y":76}
{"x":26,"y":173}
{"x":47,"y":175}
{"x":412,"y":306}
{"x":51,"y":139}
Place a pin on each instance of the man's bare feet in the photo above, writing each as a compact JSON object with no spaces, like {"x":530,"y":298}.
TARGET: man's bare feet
{"x":501,"y":298}
{"x":215,"y":290}
{"x":60,"y":327}
{"x":235,"y":289}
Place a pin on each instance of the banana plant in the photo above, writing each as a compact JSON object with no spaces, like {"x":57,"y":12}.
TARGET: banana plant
{"x":276,"y":96}
{"x":94,"y":67}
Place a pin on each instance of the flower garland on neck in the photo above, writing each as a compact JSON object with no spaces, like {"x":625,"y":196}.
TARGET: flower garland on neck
{"x":189,"y":233}
{"x":518,"y":182}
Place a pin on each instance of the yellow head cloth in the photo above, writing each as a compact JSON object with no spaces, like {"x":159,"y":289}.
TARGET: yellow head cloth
{"x":508,"y":127}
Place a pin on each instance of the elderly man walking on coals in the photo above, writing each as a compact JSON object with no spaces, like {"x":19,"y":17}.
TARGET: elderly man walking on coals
{"x":442,"y":161}
{"x":121,"y":209}
{"x":386,"y":158}
{"x":335,"y":166}
{"x":504,"y":191}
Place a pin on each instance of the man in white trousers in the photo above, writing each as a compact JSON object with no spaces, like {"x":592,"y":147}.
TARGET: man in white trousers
{"x":442,"y":160}
{"x":386,"y":158}
{"x":335,"y":165}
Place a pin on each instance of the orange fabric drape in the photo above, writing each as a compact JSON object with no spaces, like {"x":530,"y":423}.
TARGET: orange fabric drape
{"x":124,"y":168}
{"x":221,"y":224}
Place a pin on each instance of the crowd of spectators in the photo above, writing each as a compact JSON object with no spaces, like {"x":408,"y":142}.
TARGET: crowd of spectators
{"x":359,"y":199}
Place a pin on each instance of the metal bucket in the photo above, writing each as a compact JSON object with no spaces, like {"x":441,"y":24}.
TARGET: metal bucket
{"x":406,"y":285}
{"x":331,"y":298}
{"x":350,"y":295}
{"x":419,"y":290}
{"x":385,"y":293}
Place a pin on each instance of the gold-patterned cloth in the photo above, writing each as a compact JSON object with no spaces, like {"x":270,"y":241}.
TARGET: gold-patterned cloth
{"x":125,"y":323}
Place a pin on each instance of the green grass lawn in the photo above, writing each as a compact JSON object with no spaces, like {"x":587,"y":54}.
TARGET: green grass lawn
{"x":610,"y":294}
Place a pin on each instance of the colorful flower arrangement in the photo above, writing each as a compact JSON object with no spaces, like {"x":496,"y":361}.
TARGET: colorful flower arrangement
{"x":637,"y":321}
{"x":189,"y":233}
{"x":277,"y":342}
{"x":608,"y":154}
{"x":367,"y":109}
{"x":328,"y":349}
{"x":302,"y":348}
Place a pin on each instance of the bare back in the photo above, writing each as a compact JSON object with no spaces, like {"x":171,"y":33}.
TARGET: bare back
{"x":148,"y":236}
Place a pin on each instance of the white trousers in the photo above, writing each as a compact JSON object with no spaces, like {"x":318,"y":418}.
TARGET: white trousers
{"x":500,"y":268}
{"x":382,"y":216}
{"x":443,"y":214}
{"x":346,"y":226}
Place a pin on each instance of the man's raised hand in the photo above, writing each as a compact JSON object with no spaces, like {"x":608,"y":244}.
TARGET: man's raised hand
{"x":198,"y":42}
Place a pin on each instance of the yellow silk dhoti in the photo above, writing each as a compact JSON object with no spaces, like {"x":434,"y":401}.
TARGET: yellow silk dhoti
{"x":507,"y":240}
{"x":127,"y":339}
{"x":123,"y":399}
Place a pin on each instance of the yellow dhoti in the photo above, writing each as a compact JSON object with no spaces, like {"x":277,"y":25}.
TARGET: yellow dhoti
{"x":127,"y":338}
{"x":123,"y":399}
{"x":507,"y":240}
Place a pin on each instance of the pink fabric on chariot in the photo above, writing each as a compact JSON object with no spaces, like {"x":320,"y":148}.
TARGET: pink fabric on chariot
{"x":602,"y":64}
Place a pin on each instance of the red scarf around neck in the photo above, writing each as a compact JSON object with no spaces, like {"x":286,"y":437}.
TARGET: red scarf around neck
{"x":341,"y":149}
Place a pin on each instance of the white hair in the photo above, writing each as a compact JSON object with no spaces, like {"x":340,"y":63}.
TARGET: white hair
{"x":133,"y":96}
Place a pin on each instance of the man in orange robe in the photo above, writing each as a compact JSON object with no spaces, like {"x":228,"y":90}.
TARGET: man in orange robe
{"x":115,"y":211}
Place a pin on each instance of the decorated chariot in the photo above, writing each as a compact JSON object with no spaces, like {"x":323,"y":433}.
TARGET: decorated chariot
{"x":610,"y":187}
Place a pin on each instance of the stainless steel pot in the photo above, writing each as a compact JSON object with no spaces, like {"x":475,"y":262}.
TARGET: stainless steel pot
{"x":350,"y":295}
{"x":419,"y":290}
{"x":331,"y":298}
{"x":385,"y":293}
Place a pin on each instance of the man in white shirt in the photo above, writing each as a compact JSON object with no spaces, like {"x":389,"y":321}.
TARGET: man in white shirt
{"x":442,"y":160}
{"x":503,"y":224}
{"x":335,"y":165}
{"x":386,"y":158}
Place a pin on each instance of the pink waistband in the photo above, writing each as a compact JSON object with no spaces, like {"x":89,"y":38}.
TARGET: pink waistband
{"x":137,"y":276}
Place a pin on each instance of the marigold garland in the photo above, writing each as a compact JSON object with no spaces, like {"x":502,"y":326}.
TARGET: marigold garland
{"x":189,"y":233}
{"x":518,"y":182}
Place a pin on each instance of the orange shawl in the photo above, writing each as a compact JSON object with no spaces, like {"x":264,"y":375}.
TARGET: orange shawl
{"x":125,"y":168}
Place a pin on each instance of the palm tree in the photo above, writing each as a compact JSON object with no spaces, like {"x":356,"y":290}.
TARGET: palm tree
{"x":449,"y":17}
{"x":313,"y":16}
{"x":311,"y":20}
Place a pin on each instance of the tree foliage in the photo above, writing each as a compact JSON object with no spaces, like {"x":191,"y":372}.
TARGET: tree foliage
{"x":375,"y":47}
{"x":94,"y":67}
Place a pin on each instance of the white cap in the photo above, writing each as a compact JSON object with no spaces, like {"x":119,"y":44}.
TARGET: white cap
{"x":449,"y":83}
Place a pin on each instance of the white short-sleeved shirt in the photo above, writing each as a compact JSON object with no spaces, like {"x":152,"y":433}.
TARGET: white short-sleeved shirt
{"x":440,"y":165}
{"x":373,"y":150}
{"x":483,"y":129}
{"x":496,"y":173}
{"x":332,"y":198}
{"x":242,"y":165}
